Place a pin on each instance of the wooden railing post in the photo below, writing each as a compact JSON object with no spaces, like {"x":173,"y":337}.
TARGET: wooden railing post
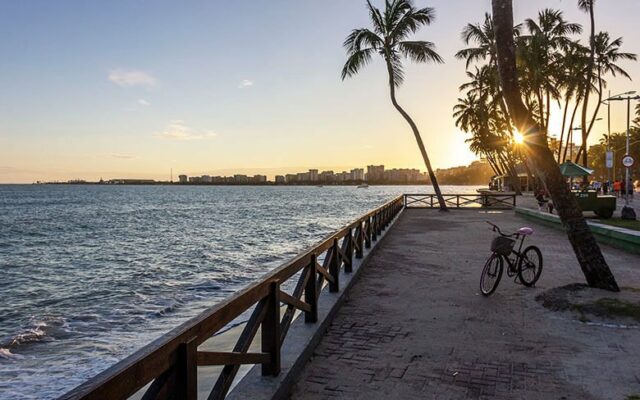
{"x":367,"y":233}
{"x":271,"y":331}
{"x":187,"y":371}
{"x":374,"y":227}
{"x":334,"y":268}
{"x":359,"y":241}
{"x":311,"y":291}
{"x":348,"y":252}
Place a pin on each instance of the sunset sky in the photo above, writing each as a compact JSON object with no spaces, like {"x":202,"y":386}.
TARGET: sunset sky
{"x":133,"y":88}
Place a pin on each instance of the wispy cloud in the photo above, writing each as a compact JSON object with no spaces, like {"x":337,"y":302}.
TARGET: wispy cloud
{"x":143,"y":103}
{"x":177,"y":130}
{"x":245,"y":84}
{"x":131,"y":77}
{"x":122,"y":156}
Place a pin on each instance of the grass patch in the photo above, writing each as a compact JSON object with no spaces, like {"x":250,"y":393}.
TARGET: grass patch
{"x":632,"y":397}
{"x":620,"y":223}
{"x":558,"y":299}
{"x":615,"y":307}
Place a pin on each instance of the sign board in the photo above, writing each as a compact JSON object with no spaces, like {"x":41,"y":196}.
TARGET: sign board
{"x":609,"y":160}
{"x":627,"y":161}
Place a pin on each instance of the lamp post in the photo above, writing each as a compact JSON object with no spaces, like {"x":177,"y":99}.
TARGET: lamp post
{"x":627,"y":211}
{"x":608,"y":104}
{"x":571,"y":140}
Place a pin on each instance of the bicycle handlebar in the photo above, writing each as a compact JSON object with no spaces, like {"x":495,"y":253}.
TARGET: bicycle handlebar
{"x":496,"y":228}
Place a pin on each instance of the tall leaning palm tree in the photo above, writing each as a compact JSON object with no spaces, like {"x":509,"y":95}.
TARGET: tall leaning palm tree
{"x":388,"y":38}
{"x":587,"y":6}
{"x":594,"y":266}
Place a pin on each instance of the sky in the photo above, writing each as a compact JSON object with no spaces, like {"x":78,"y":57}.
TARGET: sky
{"x":137,"y":88}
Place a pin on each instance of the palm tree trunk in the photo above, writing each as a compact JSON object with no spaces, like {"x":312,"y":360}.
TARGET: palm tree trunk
{"x":592,"y":262}
{"x":511,"y":170}
{"x":583,"y":148}
{"x":546,"y":121}
{"x":416,"y":133}
{"x":587,"y":88}
{"x":570,"y":130}
{"x":564,"y":121}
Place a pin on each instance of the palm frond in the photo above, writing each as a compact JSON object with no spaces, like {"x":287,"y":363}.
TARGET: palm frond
{"x":376,"y":18}
{"x":359,"y":38}
{"x":356,"y":61}
{"x":419,"y":51}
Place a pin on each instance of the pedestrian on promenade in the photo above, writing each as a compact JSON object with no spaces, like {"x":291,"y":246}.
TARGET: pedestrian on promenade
{"x":540,"y":199}
{"x":616,"y":188}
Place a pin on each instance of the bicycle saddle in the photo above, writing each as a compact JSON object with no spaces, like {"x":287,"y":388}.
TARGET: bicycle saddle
{"x":525,"y":230}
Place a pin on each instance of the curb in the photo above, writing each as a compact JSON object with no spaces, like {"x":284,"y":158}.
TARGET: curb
{"x":621,"y":238}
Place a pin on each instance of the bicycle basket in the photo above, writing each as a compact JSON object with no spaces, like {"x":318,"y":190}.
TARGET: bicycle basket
{"x":502,"y":245}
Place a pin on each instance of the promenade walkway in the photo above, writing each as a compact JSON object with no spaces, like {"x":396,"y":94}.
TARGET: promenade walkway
{"x":416,"y":326}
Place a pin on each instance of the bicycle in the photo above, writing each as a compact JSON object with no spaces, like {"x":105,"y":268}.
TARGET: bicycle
{"x":526,"y":265}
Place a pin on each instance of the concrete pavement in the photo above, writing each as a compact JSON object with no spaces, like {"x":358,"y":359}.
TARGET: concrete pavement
{"x":416,"y":327}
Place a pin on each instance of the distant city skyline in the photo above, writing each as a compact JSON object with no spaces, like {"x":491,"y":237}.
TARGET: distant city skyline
{"x":132,"y":89}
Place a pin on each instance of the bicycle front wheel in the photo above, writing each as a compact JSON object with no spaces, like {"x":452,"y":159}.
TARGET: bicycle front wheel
{"x":491,"y":275}
{"x":530,"y":266}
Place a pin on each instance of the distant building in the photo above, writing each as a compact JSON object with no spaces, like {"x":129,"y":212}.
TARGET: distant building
{"x":131,"y":181}
{"x":280,"y":179}
{"x":241,"y":178}
{"x":375,"y":173}
{"x":327,"y":176}
{"x":195,"y":179}
{"x":313,"y":175}
{"x":303,"y":177}
{"x":291,"y":178}
{"x":182,"y":178}
{"x":357,"y":174}
{"x":259,"y":179}
{"x":205,"y":179}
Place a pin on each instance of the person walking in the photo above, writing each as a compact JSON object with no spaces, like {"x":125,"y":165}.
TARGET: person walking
{"x":616,"y":188}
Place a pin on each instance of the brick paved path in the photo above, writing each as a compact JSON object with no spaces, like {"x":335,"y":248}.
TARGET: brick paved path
{"x":415,"y":326}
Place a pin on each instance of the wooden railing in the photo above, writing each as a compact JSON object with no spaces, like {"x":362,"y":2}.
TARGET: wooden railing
{"x":480,"y":200}
{"x":169,"y":364}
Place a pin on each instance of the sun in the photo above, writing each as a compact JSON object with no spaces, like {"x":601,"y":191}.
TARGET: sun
{"x":518,"y":138}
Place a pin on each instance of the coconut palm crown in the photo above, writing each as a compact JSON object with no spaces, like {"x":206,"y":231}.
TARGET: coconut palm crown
{"x":389,"y":38}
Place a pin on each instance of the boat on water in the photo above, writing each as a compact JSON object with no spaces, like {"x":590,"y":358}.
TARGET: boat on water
{"x":363,"y":186}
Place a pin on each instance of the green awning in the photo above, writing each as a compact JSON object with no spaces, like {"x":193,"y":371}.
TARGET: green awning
{"x":571,"y":169}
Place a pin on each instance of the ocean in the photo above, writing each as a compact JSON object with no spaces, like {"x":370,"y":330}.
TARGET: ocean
{"x":90,"y":273}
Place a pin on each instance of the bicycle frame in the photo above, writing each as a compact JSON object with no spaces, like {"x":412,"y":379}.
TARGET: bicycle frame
{"x":513,"y":263}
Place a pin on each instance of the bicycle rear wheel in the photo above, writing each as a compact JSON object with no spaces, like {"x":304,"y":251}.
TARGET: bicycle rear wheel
{"x":530,"y":266}
{"x":491,"y":275}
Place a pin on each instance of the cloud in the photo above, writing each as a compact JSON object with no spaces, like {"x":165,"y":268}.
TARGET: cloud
{"x":177,"y":130}
{"x":245,"y":84}
{"x":131,"y":77}
{"x":122,"y":156}
{"x":143,"y":102}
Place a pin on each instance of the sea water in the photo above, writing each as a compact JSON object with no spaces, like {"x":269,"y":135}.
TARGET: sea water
{"x":90,"y":273}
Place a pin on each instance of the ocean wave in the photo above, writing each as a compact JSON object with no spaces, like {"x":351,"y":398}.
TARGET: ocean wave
{"x":40,"y":330}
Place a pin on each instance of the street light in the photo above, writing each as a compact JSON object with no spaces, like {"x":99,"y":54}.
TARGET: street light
{"x":608,"y":104}
{"x":627,"y":211}
{"x":571,"y":138}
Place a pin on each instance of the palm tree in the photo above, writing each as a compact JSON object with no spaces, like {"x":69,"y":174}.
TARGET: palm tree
{"x":389,"y":39}
{"x":607,"y":53}
{"x":480,"y":113}
{"x":592,"y":262}
{"x":540,"y":53}
{"x":587,"y":6}
{"x":637,"y":120}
